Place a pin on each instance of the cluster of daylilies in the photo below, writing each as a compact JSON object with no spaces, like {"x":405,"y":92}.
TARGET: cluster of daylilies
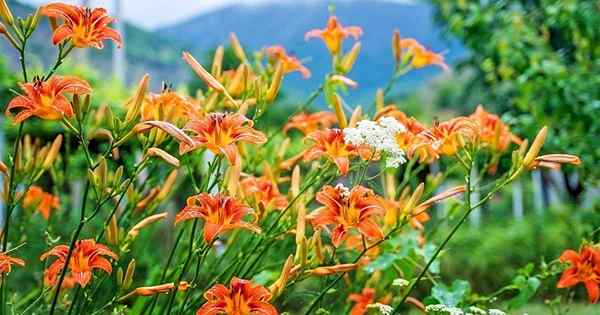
{"x":293,"y":219}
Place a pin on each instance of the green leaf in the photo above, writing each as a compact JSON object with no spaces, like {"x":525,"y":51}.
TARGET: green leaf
{"x":451,"y":296}
{"x":527,"y":288}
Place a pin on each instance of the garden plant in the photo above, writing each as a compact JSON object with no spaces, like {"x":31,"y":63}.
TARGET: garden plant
{"x":191,"y":202}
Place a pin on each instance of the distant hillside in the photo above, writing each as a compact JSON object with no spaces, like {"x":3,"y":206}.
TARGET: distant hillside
{"x":146,"y":52}
{"x":286,"y":23}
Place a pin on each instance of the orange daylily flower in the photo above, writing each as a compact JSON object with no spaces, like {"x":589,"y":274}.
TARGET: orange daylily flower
{"x":492,"y":131}
{"x":443,"y":138}
{"x":219,"y":132}
{"x":83,"y":26}
{"x":330,"y":143}
{"x":309,"y":122}
{"x":362,"y":300}
{"x":334,"y":33}
{"x":87,"y":256}
{"x":241,"y":298}
{"x":264,"y":191}
{"x":169,"y":106}
{"x":219,"y":212}
{"x":290,"y":63}
{"x":7,"y":261}
{"x":42,"y":201}
{"x":347,"y":209}
{"x":584,"y":267}
{"x":420,"y":56}
{"x":46,"y":99}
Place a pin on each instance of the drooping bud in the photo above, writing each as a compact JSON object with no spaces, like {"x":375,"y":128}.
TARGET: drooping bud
{"x":330,"y":270}
{"x":206,"y":76}
{"x":286,"y":273}
{"x":163,"y":155}
{"x":135,"y":230}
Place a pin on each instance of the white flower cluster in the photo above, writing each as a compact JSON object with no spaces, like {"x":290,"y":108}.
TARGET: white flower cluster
{"x":473,"y":310}
{"x":400,"y":282}
{"x":443,"y":309}
{"x":381,"y":136}
{"x":493,"y":311}
{"x":384,"y":309}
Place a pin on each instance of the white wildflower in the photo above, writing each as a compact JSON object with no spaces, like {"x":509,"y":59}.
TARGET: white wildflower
{"x":383,"y":308}
{"x":493,"y":311}
{"x":381,"y":136}
{"x":344,"y":191}
{"x":400,"y":282}
{"x":441,"y":308}
{"x":476,"y":311}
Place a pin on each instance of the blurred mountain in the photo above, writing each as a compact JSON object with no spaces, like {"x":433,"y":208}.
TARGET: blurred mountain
{"x":286,"y":22}
{"x":158,"y":52}
{"x":145,"y":50}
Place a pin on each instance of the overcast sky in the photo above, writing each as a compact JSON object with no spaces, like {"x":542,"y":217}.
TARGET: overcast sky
{"x":151,"y":13}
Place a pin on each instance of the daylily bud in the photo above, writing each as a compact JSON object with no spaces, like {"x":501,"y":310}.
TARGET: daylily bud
{"x":326,"y":271}
{"x":350,"y":58}
{"x":157,"y":289}
{"x":233,"y":177}
{"x":135,"y":230}
{"x":34,"y":20}
{"x":112,"y":231}
{"x":536,"y":146}
{"x":414,"y":198}
{"x":101,"y":173}
{"x":3,"y":168}
{"x":217,"y":64}
{"x":53,"y":152}
{"x":119,"y":276}
{"x":142,"y":204}
{"x":356,"y":116}
{"x":237,"y":84}
{"x":339,"y":111}
{"x":237,"y":47}
{"x":286,"y":273}
{"x":5,"y":13}
{"x":128,"y":279}
{"x":163,"y":155}
{"x":167,"y":186}
{"x":295,"y":182}
{"x":554,"y":161}
{"x":396,"y":47}
{"x":379,"y":100}
{"x":275,"y":83}
{"x":390,"y":185}
{"x":336,"y":78}
{"x":285,"y":144}
{"x":169,"y":128}
{"x":140,"y":94}
{"x":439,"y":197}
{"x":206,"y":76}
{"x":300,"y":235}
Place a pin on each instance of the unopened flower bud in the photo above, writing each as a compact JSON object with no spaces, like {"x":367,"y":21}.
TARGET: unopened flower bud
{"x":217,"y":64}
{"x":138,"y":99}
{"x":5,"y":13}
{"x":237,"y":47}
{"x":350,"y":58}
{"x":339,"y":111}
{"x":275,"y":83}
{"x":53,"y":152}
{"x":536,"y":146}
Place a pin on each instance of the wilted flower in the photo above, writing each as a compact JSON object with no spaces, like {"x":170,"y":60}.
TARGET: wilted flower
{"x":220,"y":214}
{"x":83,"y":26}
{"x":362,"y":300}
{"x":264,"y":191}
{"x":334,"y":34}
{"x":42,"y":201}
{"x":331,"y":144}
{"x":46,"y":99}
{"x":584,"y":267}
{"x":7,"y":261}
{"x":242,"y":297}
{"x":347,"y":209}
{"x":219,"y":132}
{"x":290,"y":63}
{"x":87,"y":256}
{"x":309,"y":122}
